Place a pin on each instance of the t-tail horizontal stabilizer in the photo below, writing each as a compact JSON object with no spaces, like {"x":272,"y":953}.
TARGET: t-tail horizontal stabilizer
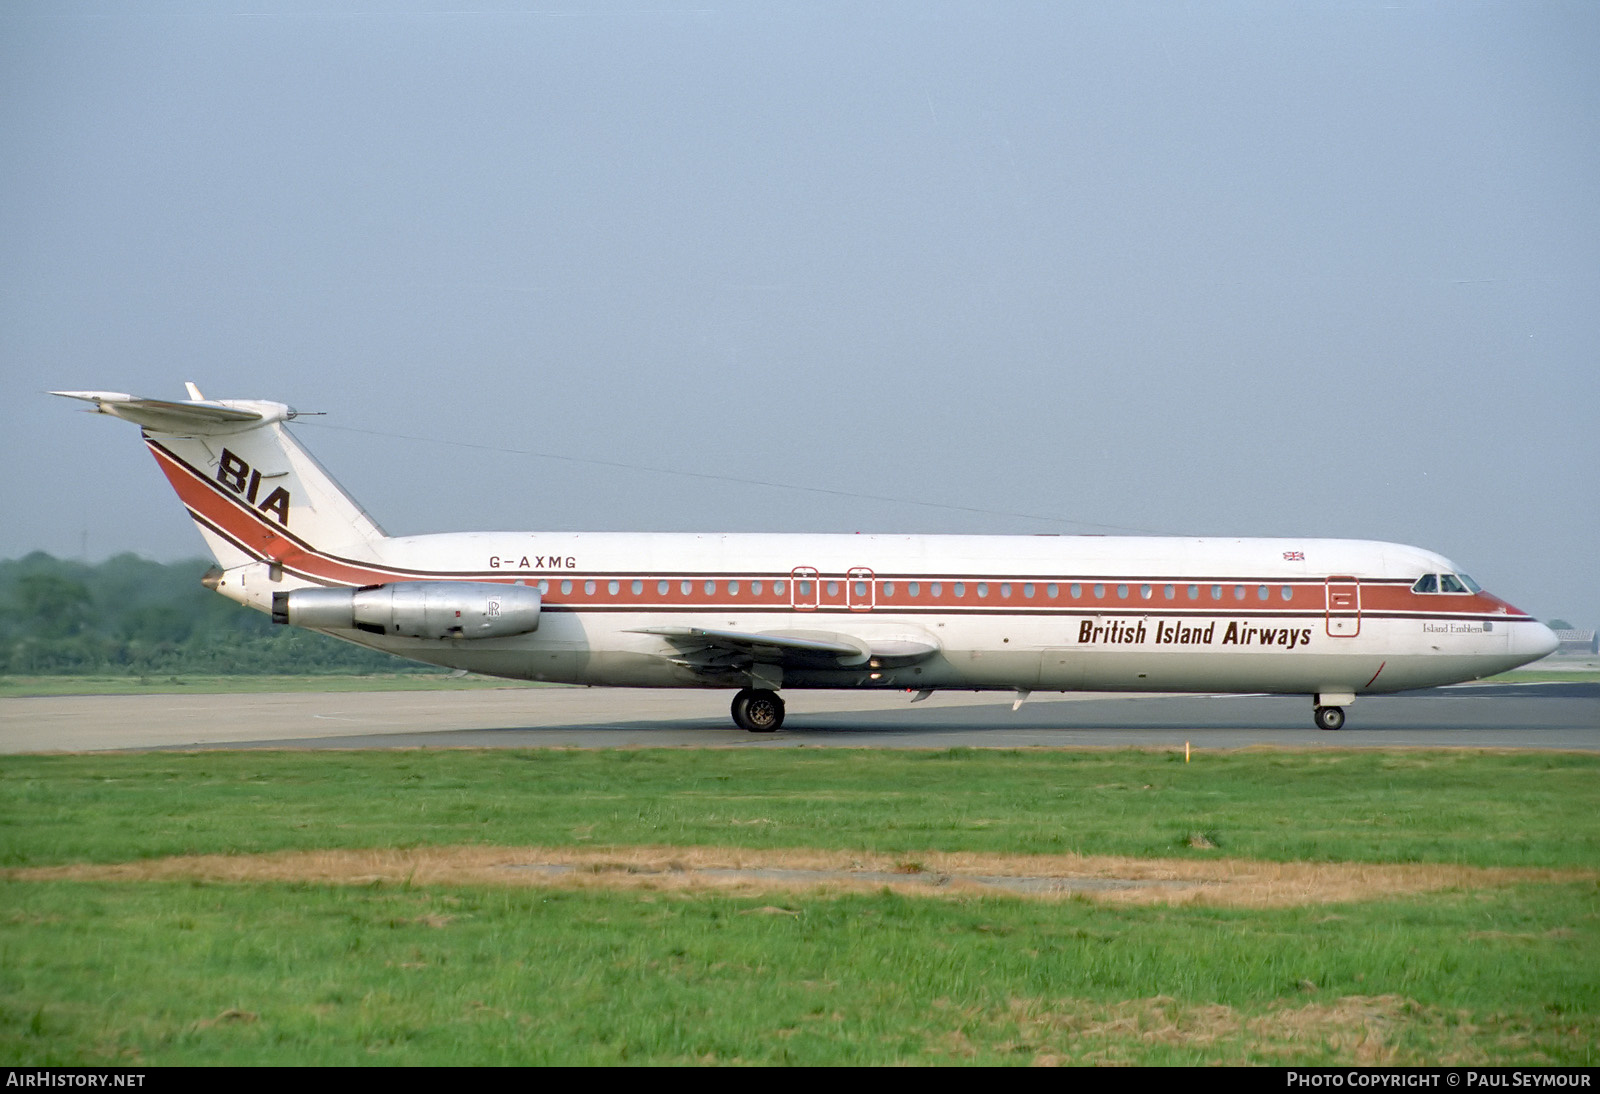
{"x":194,"y":416}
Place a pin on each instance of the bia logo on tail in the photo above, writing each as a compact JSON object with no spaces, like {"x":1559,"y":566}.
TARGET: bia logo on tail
{"x":239,"y":477}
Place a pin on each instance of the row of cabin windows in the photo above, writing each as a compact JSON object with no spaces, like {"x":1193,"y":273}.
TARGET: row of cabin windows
{"x":1075,"y":590}
{"x":664,"y":588}
{"x":935,"y":589}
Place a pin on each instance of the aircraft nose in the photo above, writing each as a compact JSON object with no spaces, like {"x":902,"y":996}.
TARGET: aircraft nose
{"x":1538,"y":641}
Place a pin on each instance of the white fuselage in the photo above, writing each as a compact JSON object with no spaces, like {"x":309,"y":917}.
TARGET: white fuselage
{"x":1016,"y":612}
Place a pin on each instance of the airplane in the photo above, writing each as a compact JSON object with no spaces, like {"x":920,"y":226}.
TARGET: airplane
{"x":755,"y":613}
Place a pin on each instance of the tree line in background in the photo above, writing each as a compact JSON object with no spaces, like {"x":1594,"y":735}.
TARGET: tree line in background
{"x":131,"y":615}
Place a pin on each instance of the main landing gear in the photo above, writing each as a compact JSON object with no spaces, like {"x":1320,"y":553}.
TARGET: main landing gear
{"x":758,"y":710}
{"x":1330,"y":717}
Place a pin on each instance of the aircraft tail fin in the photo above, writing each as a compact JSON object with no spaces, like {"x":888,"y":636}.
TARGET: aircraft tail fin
{"x":254,"y":491}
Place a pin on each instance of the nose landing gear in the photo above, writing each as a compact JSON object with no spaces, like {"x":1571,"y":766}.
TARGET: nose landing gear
{"x":758,"y":710}
{"x":1329,"y":707}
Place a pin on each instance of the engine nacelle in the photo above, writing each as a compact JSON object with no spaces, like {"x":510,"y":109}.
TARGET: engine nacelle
{"x":416,"y":609}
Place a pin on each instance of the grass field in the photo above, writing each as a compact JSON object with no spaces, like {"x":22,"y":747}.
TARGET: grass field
{"x":1414,"y":907}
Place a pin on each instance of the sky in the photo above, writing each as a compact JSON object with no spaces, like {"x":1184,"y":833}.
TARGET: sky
{"x":1229,"y":269}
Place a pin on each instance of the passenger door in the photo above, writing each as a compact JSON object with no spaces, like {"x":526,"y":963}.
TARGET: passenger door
{"x":1344,"y":607}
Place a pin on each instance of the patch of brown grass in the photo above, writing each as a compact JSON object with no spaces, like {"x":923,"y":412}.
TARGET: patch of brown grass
{"x":1362,"y":1030}
{"x":1231,"y":882}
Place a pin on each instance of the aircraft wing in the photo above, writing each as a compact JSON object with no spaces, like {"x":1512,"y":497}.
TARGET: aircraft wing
{"x":714,"y":652}
{"x":771,"y":647}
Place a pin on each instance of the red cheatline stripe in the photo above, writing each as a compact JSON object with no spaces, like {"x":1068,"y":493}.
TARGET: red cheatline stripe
{"x":253,"y":533}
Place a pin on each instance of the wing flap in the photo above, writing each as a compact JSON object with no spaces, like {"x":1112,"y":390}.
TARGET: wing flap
{"x":713,"y":649}
{"x":771,"y":646}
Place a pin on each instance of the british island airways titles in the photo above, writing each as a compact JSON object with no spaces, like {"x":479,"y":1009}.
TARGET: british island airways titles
{"x":1179,"y":634}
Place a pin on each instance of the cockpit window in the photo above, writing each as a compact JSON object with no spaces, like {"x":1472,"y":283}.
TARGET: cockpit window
{"x":1445,"y":583}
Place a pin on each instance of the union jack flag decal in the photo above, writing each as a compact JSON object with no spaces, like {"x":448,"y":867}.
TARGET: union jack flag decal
{"x":1294,"y":556}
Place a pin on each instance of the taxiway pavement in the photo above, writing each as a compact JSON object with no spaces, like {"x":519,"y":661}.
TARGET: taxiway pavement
{"x":1535,"y":716}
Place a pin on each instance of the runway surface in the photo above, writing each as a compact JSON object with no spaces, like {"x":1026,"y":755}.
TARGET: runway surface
{"x":1529,"y":716}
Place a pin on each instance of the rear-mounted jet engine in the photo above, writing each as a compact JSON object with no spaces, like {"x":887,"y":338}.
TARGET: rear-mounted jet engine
{"x":416,"y":609}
